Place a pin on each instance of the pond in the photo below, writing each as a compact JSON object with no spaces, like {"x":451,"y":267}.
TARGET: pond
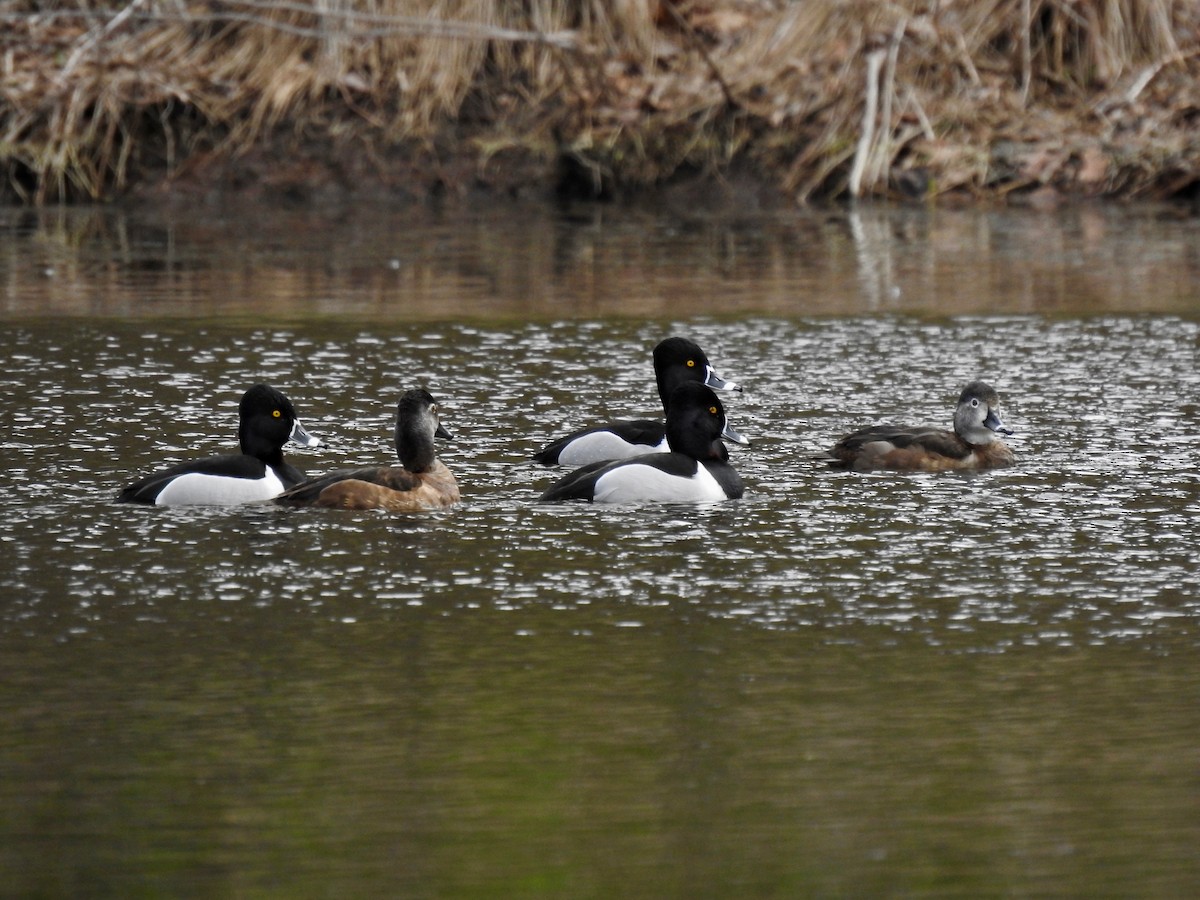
{"x":839,"y":685}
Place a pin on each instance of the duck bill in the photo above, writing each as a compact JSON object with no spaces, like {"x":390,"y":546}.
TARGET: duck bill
{"x":443,"y":432}
{"x":993,"y":422}
{"x":717,"y":383}
{"x":730,"y":435}
{"x":302,"y":437}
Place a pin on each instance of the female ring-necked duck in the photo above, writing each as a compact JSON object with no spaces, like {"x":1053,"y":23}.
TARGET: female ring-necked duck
{"x":695,"y":469}
{"x":267,"y":420}
{"x":421,"y":481}
{"x":972,"y":445}
{"x":677,"y":361}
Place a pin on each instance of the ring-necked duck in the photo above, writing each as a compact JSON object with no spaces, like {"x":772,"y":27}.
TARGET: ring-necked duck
{"x":677,"y":361}
{"x":421,"y":481}
{"x":267,"y":420}
{"x":696,"y":469}
{"x":972,"y":445}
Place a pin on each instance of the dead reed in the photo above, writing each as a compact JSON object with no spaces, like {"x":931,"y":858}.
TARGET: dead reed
{"x":821,"y":97}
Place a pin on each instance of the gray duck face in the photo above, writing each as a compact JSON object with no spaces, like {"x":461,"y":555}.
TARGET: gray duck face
{"x":977,"y":417}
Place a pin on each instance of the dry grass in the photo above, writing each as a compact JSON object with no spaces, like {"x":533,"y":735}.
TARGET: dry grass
{"x":822,"y":97}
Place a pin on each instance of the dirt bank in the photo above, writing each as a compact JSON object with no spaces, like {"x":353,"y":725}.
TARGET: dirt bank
{"x":775,"y":101}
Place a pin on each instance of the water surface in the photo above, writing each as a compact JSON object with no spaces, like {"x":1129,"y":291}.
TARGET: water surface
{"x":840,"y":685}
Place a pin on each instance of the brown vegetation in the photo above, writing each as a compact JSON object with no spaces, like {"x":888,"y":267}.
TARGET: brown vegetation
{"x":814,"y":97}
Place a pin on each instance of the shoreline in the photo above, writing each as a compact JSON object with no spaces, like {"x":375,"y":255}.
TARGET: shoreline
{"x":789,"y":103}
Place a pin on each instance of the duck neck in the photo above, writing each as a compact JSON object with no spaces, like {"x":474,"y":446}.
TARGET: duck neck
{"x":253,"y":443}
{"x":670,"y":379}
{"x":689,"y":441}
{"x":414,"y":447}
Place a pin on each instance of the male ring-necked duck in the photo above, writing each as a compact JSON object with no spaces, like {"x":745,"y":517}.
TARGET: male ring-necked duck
{"x":972,"y":445}
{"x":695,"y":469}
{"x":677,"y":361}
{"x":421,"y":481}
{"x":267,"y":420}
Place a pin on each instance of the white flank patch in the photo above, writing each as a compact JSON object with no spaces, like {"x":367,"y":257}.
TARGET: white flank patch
{"x":218,"y":490}
{"x":603,"y":445}
{"x":639,"y":483}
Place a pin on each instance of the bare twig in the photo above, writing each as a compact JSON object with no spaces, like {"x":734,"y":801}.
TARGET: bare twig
{"x":965,"y":56}
{"x":866,"y":138}
{"x":1149,"y":72}
{"x":365,"y":25}
{"x":93,"y":38}
{"x":881,"y":156}
{"x":698,"y":45}
{"x":1026,"y":51}
{"x":926,"y":126}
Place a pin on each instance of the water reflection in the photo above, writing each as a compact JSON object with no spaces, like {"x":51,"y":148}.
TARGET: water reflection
{"x":516,"y":263}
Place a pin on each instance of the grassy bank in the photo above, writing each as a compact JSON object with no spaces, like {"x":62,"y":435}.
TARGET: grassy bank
{"x":812,"y":98}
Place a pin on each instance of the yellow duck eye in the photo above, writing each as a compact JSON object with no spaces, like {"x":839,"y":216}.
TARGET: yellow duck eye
{"x":691,"y":363}
{"x":276,"y":413}
{"x":713,"y":410}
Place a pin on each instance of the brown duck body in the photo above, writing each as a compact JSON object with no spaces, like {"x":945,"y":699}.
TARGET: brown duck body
{"x":421,"y":481}
{"x":916,"y":450}
{"x":974,"y":443}
{"x":393,"y":489}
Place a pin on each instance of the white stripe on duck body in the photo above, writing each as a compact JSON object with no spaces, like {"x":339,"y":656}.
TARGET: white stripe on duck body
{"x":677,"y":361}
{"x":696,"y":469}
{"x":421,"y":481}
{"x":266,"y":421}
{"x":974,"y":443}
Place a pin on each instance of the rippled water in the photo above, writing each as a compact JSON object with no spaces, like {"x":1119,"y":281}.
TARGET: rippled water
{"x":841,"y":684}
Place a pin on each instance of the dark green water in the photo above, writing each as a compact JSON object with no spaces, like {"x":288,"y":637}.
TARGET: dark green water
{"x":838,"y":686}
